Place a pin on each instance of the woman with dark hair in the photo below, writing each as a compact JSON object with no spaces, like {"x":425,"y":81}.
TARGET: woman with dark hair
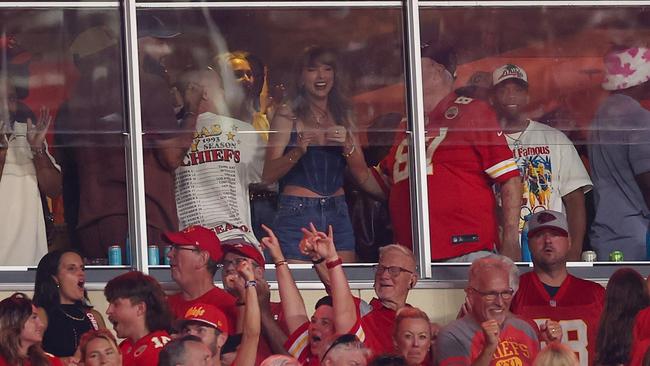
{"x":625,"y":295}
{"x":21,"y":333}
{"x":312,"y":144}
{"x":61,"y":299}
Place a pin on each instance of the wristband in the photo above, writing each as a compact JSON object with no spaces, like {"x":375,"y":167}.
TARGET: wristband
{"x":189,"y":113}
{"x":280,"y":263}
{"x":318,"y":261}
{"x":334,"y":263}
{"x":250,"y":283}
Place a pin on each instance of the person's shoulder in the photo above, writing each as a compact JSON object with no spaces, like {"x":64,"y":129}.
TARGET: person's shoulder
{"x":583,"y":286}
{"x":522,"y":324}
{"x":54,"y":361}
{"x":547,"y":131}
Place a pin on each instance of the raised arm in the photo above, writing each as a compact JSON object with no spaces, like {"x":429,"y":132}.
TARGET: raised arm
{"x":344,"y":307}
{"x":247,"y":351}
{"x":278,"y":162}
{"x":47,"y":174}
{"x":292,"y":302}
{"x":171,"y":151}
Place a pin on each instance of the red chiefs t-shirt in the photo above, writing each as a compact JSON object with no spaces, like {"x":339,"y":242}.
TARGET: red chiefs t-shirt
{"x":297,"y":345}
{"x":466,"y":152}
{"x":217,"y":297}
{"x":576,"y":306}
{"x":263,"y":348}
{"x":642,"y":325}
{"x":375,"y":329}
{"x":461,"y":342}
{"x":145,"y":351}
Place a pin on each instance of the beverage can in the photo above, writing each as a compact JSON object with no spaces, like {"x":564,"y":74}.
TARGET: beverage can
{"x":154,"y":255}
{"x":589,"y":256}
{"x":115,"y":255}
{"x":525,"y":250}
{"x":166,"y":250}
{"x":616,"y":256}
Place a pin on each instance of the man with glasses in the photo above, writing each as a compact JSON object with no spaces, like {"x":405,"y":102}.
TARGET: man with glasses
{"x":274,"y":327}
{"x":395,"y":276}
{"x":346,"y":350}
{"x":489,"y":334}
{"x":550,"y":292}
{"x":193,"y":260}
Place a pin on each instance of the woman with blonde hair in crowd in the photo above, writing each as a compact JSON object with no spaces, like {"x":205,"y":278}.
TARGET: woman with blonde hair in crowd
{"x":412,"y":337}
{"x":99,"y":347}
{"x":556,"y":354}
{"x":21,"y":333}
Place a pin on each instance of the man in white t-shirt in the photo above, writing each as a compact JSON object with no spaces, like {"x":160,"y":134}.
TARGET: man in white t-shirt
{"x":226,"y":155}
{"x":554,"y":177}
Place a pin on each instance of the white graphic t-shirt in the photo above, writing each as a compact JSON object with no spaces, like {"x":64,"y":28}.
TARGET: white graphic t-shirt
{"x":226,"y":156}
{"x":550,"y":168}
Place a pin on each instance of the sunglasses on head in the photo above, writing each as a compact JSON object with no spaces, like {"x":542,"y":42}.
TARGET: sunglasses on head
{"x":343,"y":339}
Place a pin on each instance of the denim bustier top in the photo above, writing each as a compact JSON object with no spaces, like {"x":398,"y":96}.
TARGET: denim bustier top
{"x":320,"y":169}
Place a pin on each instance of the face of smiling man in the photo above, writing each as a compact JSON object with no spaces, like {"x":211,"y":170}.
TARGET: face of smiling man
{"x":490,"y":295}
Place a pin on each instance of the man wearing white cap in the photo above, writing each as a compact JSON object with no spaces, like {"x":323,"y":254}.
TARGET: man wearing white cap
{"x":553,"y":175}
{"x":619,"y":154}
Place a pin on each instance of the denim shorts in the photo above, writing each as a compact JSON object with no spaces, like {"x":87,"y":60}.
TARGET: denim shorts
{"x":296,"y":212}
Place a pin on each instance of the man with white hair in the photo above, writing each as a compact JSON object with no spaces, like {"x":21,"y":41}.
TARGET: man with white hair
{"x":489,"y":334}
{"x":619,"y":155}
{"x":346,"y":350}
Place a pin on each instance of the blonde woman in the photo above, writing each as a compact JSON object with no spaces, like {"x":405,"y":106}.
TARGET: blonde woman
{"x":556,"y":354}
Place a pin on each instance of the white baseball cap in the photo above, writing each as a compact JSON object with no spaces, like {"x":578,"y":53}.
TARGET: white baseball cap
{"x":509,"y":71}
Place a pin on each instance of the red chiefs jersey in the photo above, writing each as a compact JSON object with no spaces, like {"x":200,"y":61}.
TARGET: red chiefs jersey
{"x":466,"y":152}
{"x":298,"y":346}
{"x":145,"y":351}
{"x":217,"y":297}
{"x":576,"y":306}
{"x":375,"y":329}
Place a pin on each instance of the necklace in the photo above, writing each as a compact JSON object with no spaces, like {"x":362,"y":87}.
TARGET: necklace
{"x":516,"y":141}
{"x":71,"y":316}
{"x":320,"y":117}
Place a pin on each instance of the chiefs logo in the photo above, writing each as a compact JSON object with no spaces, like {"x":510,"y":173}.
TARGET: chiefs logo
{"x":194,"y":312}
{"x":452,"y":112}
{"x":545,"y":217}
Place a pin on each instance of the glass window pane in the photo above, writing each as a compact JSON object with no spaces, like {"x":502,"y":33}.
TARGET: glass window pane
{"x":325,"y":113}
{"x":62,"y":67}
{"x":547,"y":64}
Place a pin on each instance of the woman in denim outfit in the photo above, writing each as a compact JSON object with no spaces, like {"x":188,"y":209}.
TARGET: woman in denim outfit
{"x":311,"y":144}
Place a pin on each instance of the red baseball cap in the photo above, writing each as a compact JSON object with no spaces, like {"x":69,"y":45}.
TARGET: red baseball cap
{"x":198,"y":236}
{"x":246,"y":250}
{"x":205,"y":313}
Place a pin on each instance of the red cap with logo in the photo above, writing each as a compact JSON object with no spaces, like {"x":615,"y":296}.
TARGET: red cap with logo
{"x":205,"y":313}
{"x":198,"y":236}
{"x":246,"y":250}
